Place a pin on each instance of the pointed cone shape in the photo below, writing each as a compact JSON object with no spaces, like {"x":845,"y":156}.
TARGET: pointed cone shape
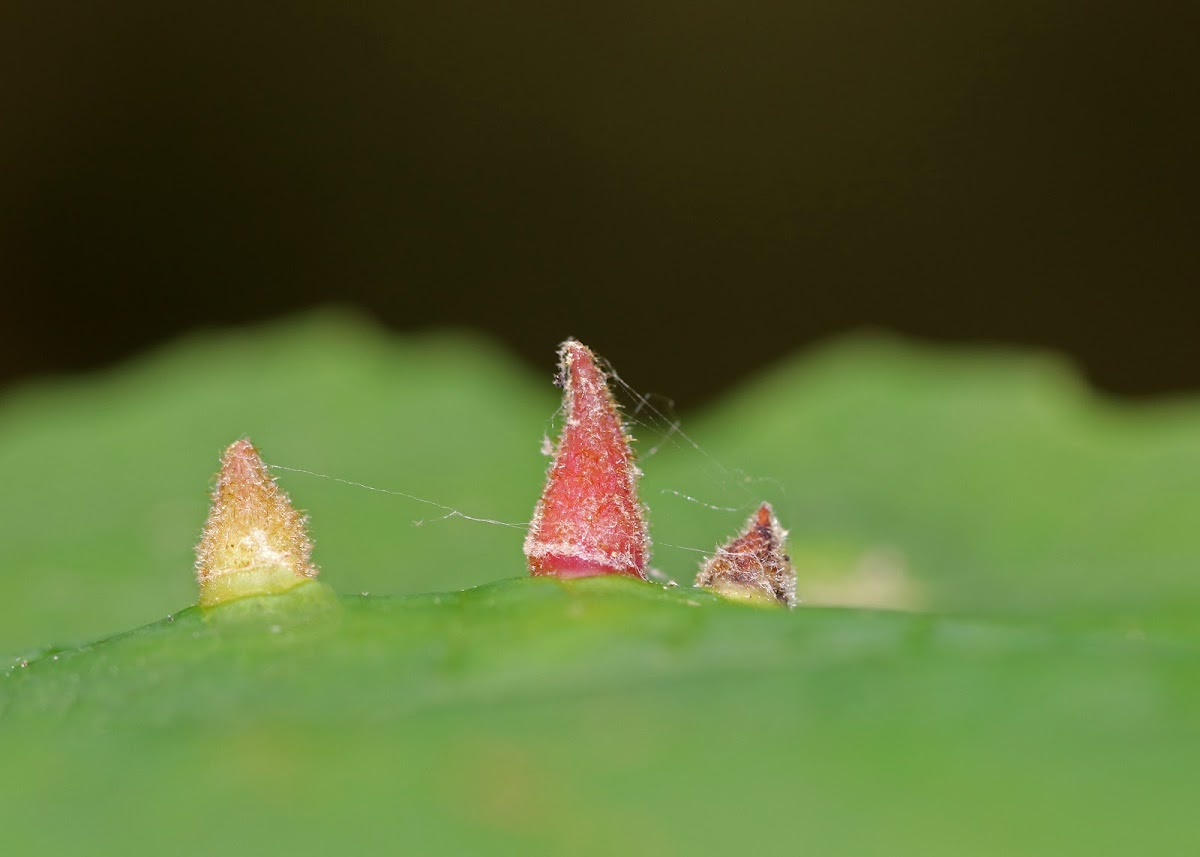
{"x":254,"y":542}
{"x":589,"y":520}
{"x":753,"y":565}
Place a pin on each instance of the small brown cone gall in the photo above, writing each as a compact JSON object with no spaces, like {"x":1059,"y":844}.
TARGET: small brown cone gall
{"x":753,"y":565}
{"x":254,"y":542}
{"x":589,"y":520}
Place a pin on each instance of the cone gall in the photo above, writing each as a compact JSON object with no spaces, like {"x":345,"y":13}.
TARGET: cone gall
{"x":753,"y":565}
{"x":254,"y":542}
{"x":589,"y":520}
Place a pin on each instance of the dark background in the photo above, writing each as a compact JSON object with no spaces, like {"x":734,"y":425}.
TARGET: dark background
{"x":695,"y":187}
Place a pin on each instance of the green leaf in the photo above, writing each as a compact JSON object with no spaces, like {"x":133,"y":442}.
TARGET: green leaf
{"x":1042,"y":700}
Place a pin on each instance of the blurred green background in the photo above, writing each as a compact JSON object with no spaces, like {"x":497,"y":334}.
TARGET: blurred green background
{"x":985,"y":482}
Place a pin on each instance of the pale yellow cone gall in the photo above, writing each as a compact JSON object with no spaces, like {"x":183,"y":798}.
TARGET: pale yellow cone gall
{"x":254,"y":542}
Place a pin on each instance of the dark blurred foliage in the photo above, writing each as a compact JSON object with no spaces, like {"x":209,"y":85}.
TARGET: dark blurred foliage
{"x":696,"y":188}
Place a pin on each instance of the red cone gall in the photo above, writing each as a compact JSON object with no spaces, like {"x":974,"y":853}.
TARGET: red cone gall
{"x":589,"y":520}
